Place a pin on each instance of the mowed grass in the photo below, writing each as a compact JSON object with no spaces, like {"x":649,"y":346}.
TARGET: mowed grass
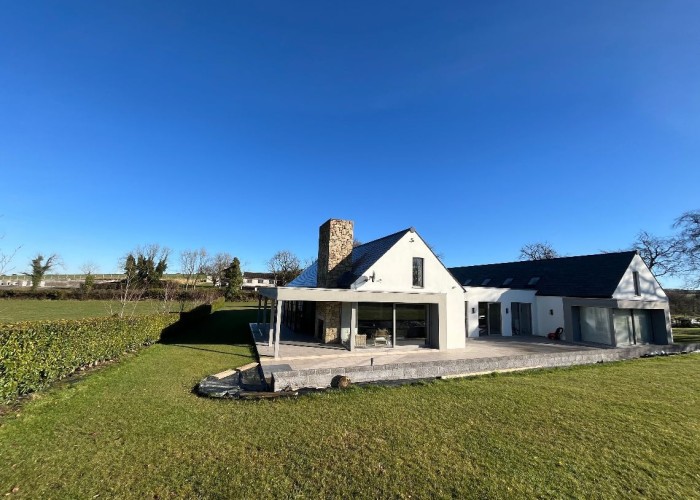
{"x":685,"y":335}
{"x":13,"y":310}
{"x":136,"y":430}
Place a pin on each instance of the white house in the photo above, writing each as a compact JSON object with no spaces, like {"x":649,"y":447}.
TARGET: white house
{"x":394,"y":291}
{"x":253,"y":281}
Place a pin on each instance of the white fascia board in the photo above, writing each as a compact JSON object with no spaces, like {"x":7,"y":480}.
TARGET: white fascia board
{"x":345,"y":295}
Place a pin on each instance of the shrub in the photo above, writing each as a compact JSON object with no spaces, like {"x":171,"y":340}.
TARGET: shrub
{"x":196,"y":314}
{"x":36,"y":353}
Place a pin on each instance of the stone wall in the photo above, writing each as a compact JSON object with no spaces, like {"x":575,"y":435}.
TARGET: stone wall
{"x":329,"y":313}
{"x":335,"y":239}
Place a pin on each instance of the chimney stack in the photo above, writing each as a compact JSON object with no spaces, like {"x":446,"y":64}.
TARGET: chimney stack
{"x":335,"y":237}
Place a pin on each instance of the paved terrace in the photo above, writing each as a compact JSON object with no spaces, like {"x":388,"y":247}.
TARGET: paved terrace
{"x":305,"y":361}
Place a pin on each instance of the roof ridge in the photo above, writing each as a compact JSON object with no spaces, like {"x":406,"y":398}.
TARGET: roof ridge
{"x":384,"y":237}
{"x":547,"y":260}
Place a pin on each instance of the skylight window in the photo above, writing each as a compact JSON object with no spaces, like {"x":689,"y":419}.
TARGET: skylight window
{"x":533,"y":281}
{"x":467,"y":282}
{"x":486,"y":282}
{"x":508,"y":281}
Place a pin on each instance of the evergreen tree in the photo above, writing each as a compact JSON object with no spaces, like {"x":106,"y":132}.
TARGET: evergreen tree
{"x":234,"y":280}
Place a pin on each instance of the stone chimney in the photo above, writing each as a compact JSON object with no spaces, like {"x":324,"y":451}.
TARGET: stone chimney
{"x":335,"y":237}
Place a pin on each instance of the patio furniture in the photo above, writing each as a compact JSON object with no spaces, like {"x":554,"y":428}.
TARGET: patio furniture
{"x":381,"y":337}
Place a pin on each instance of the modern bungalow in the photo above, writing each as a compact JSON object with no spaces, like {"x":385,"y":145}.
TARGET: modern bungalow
{"x":394,"y":291}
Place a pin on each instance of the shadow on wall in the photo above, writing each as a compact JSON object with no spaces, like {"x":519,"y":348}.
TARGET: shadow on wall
{"x":228,"y":327}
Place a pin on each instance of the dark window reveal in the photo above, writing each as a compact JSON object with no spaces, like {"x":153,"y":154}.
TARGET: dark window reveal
{"x":417,"y":271}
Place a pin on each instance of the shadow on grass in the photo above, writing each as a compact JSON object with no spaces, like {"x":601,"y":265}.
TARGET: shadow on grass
{"x":228,"y":327}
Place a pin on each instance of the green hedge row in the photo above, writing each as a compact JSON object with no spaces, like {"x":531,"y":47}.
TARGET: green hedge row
{"x":36,"y":353}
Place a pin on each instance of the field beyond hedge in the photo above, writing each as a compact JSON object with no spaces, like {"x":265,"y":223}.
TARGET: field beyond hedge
{"x":135,"y":429}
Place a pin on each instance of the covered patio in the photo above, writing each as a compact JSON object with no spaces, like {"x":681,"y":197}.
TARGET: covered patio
{"x":337,"y":324}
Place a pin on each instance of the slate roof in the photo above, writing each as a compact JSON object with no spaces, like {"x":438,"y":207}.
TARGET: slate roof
{"x":588,"y":276}
{"x":248,"y":274}
{"x":363,"y":257}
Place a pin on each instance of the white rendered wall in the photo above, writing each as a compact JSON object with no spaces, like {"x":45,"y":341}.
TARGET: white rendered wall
{"x":505,"y":296}
{"x":547,"y":322}
{"x":393,"y":272}
{"x":648,"y":286}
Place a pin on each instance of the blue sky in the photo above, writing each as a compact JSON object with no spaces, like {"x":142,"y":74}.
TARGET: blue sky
{"x":242,"y":126}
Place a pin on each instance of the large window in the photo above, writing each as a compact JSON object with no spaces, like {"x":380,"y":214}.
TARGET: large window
{"x":417,"y":271}
{"x":375,"y":320}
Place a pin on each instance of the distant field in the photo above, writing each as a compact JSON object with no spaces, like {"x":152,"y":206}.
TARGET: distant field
{"x":27,"y":310}
{"x":685,"y":335}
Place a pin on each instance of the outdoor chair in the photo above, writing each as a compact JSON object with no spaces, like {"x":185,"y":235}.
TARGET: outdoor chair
{"x":381,"y":337}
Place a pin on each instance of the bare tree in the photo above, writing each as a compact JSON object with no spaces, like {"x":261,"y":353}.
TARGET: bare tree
{"x":89,"y":267}
{"x":131,"y":288}
{"x":663,"y":256}
{"x":217,"y":265}
{"x":285,"y":266}
{"x":689,"y":237}
{"x":6,"y":259}
{"x":192,"y":264}
{"x":538,"y":251}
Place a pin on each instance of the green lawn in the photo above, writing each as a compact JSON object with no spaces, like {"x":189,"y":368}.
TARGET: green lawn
{"x":12,"y":310}
{"x":135,"y":429}
{"x":685,"y":335}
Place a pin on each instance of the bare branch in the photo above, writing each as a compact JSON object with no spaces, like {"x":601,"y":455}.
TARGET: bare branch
{"x":538,"y":251}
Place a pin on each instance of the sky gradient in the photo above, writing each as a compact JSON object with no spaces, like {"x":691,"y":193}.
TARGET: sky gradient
{"x":242,"y":126}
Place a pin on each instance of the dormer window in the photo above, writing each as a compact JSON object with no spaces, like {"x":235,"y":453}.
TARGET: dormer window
{"x":533,"y":281}
{"x":418,"y":271}
{"x":486,"y":282}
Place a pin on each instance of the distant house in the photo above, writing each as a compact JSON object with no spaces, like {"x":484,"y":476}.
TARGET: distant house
{"x":253,"y":281}
{"x":394,"y":291}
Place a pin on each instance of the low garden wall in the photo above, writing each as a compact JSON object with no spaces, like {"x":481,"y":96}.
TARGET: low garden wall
{"x":36,"y":353}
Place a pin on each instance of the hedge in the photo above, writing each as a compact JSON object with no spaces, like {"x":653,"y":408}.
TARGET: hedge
{"x":36,"y":353}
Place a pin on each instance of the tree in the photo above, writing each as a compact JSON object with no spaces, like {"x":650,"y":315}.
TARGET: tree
{"x":538,"y":251}
{"x":143,"y":268}
{"x":217,"y":265}
{"x":663,"y":256}
{"x":6,"y":261}
{"x":689,"y":237}
{"x":148,"y":264}
{"x":88,"y":269}
{"x":39,"y":268}
{"x":285,"y":266}
{"x":234,"y":280}
{"x":192,"y":264}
